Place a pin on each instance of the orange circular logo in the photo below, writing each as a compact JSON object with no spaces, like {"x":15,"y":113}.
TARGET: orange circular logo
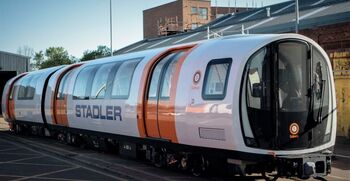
{"x":294,"y":129}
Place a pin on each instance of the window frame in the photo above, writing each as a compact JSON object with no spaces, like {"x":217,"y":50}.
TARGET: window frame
{"x":194,"y":10}
{"x":22,"y":86}
{"x":203,"y":16}
{"x":34,"y":77}
{"x":113,"y":64}
{"x":205,"y":80}
{"x":175,"y":59}
{"x":88,"y":87}
{"x":60,"y":91}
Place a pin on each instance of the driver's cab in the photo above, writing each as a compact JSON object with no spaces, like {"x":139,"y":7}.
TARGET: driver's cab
{"x":285,"y":100}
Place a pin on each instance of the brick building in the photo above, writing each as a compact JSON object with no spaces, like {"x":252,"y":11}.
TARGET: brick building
{"x":181,"y":16}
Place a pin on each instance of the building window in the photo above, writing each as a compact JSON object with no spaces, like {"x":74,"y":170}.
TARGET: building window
{"x":203,"y":13}
{"x":194,"y":10}
{"x":194,"y":26}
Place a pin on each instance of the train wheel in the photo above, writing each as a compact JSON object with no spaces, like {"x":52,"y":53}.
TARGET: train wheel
{"x":159,"y":158}
{"x":199,"y":166}
{"x":184,"y":165}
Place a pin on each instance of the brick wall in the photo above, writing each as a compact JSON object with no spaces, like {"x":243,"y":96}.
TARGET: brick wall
{"x":332,"y":38}
{"x":182,"y":10}
{"x":151,"y":16}
{"x":190,"y":18}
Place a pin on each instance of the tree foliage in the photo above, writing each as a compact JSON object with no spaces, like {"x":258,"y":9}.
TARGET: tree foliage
{"x":101,"y":51}
{"x":38,"y":59}
{"x":54,"y":56}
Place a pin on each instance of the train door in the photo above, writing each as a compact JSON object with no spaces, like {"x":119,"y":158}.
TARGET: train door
{"x":302,"y":96}
{"x":159,"y":99}
{"x":10,"y":98}
{"x":60,"y":98}
{"x":291,"y":93}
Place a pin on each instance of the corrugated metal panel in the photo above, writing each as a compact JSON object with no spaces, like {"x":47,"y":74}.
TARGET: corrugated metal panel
{"x":13,"y":62}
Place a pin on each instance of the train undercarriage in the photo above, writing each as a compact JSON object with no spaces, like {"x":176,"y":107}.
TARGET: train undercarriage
{"x":197,"y":161}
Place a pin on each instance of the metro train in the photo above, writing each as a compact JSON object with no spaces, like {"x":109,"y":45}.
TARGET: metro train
{"x":250,"y":103}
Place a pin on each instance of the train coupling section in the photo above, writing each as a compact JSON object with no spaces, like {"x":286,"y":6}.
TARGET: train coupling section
{"x":304,"y":166}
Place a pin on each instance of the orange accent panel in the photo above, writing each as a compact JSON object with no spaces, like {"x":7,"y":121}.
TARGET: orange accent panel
{"x":59,"y":107}
{"x":166,"y":120}
{"x":61,"y":112}
{"x":167,"y":127}
{"x":151,"y":117}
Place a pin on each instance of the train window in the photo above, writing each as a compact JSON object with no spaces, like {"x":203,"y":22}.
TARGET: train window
{"x":99,"y":85}
{"x":293,"y":76}
{"x":22,"y":87}
{"x":63,"y":85}
{"x":122,"y":80}
{"x":216,"y":78}
{"x":30,"y":89}
{"x":320,"y":79}
{"x":258,"y":85}
{"x":82,"y":82}
{"x":156,"y":76}
{"x":170,"y":70}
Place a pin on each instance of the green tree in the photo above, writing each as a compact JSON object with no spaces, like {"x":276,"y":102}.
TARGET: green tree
{"x":54,"y":56}
{"x":101,"y":51}
{"x":38,"y":59}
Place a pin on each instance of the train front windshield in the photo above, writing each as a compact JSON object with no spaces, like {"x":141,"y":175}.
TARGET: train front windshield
{"x":286,"y":101}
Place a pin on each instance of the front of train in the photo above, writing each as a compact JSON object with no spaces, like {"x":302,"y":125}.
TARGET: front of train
{"x":288,"y":107}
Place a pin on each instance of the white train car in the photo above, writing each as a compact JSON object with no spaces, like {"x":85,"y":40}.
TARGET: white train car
{"x":259,"y":103}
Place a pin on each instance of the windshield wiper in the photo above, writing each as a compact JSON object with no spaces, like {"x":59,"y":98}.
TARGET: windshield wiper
{"x":319,"y":113}
{"x":311,"y":120}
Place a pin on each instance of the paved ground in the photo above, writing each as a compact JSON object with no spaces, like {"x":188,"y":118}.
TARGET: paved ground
{"x":38,"y":159}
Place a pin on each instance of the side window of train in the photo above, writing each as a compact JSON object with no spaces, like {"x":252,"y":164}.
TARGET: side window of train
{"x":320,"y":79}
{"x":216,"y":78}
{"x":63,"y":85}
{"x":99,"y":83}
{"x":22,"y":87}
{"x":82,"y":83}
{"x":258,"y":85}
{"x":169,"y":72}
{"x":30,"y":92}
{"x":27,"y":87}
{"x":122,"y":79}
